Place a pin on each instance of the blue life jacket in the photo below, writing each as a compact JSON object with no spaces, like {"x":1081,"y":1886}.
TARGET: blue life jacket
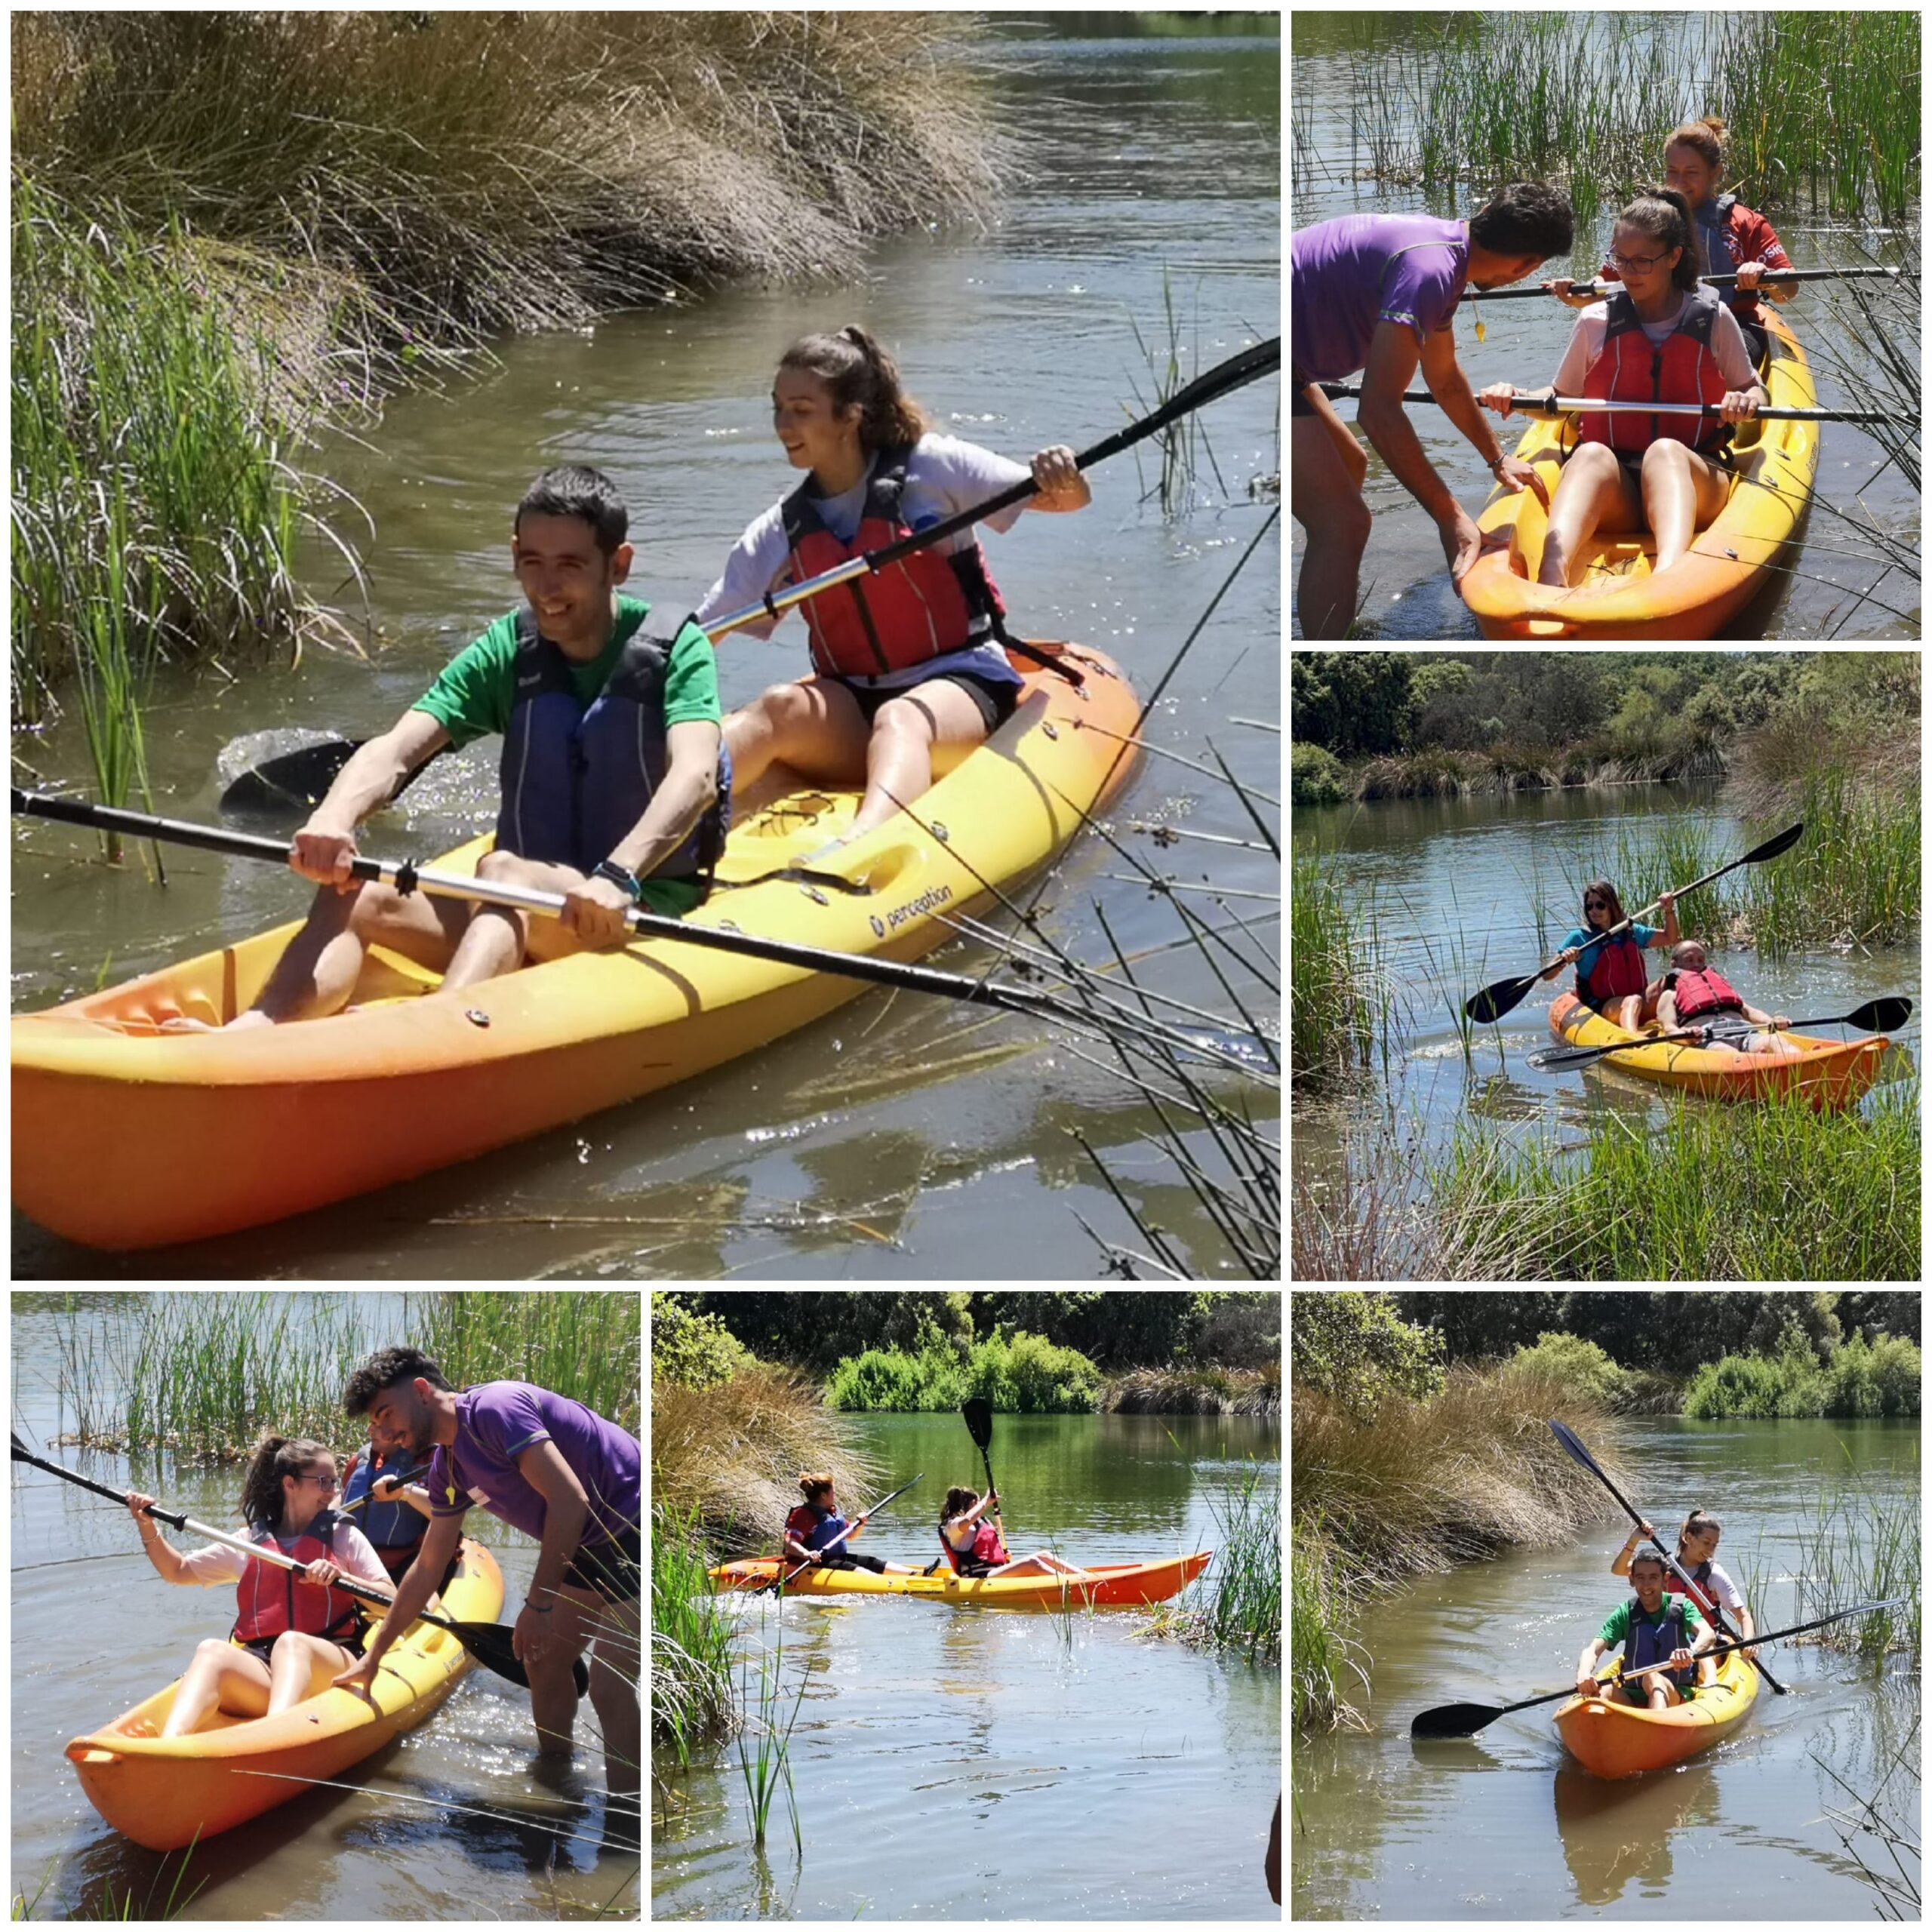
{"x":395,"y":1530}
{"x":576,"y":779}
{"x":815,"y":1527}
{"x":1646,"y":1642}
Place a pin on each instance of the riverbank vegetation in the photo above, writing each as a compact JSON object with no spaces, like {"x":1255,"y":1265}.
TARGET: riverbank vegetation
{"x":1419,"y":1435}
{"x":1824,"y":107}
{"x":231,"y":228}
{"x":202,"y":1376}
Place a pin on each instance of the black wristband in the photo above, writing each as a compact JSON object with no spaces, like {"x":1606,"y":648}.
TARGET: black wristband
{"x":609,"y":868}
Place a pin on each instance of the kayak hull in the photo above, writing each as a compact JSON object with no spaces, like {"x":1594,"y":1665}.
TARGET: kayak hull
{"x":167,"y":1792}
{"x":1829,"y":1073}
{"x":125,"y":1136}
{"x":1104,"y":1585}
{"x":1619,"y":1741}
{"x":1614,"y":596}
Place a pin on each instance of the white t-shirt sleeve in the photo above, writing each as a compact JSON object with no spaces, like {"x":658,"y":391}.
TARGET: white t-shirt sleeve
{"x":947,"y":475}
{"x":753,"y":569}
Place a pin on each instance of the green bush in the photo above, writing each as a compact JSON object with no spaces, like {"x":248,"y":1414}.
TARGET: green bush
{"x":1585,"y":1372}
{"x":694,"y":1351}
{"x":1020,"y":1374}
{"x":1315,"y":777}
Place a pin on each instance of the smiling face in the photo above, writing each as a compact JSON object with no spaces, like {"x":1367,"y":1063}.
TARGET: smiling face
{"x":816,"y":433}
{"x":1690,"y":174}
{"x":568,"y":579}
{"x":400,"y":1418}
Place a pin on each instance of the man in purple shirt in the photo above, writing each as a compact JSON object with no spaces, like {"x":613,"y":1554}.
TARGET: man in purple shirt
{"x":1377,"y":294}
{"x":548,"y":1466}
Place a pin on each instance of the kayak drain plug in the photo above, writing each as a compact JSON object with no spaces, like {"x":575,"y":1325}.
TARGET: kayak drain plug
{"x":475,"y":1016}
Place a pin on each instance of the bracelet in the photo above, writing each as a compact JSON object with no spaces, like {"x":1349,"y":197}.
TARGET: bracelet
{"x":609,"y":868}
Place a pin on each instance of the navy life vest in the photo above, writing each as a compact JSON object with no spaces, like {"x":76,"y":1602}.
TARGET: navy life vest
{"x":576,"y":779}
{"x":919,"y":608}
{"x":1646,"y":1643}
{"x":395,"y":1529}
{"x":815,"y":1528}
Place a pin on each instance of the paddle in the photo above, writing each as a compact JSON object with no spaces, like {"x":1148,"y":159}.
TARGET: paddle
{"x":1877,"y":1016}
{"x":1540,"y":402}
{"x":489,"y":1643}
{"x":979,"y":1414}
{"x":300,"y":772}
{"x":408,"y":877}
{"x":1466,"y":1720}
{"x":776,"y":1583}
{"x":407,"y":1475}
{"x":1501,"y":995}
{"x":1573,"y":1448}
{"x":1594,"y":289}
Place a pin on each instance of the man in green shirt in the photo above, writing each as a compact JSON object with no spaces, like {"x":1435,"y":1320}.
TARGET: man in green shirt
{"x":615,"y":786}
{"x":1651,"y":1628}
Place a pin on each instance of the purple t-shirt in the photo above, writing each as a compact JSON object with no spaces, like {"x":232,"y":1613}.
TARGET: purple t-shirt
{"x":1345,"y":276}
{"x":496,"y":1422}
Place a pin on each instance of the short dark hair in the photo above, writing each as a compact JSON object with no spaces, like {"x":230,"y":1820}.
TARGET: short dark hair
{"x":1646,"y":1556}
{"x":384,"y":1370}
{"x":573,"y":490}
{"x":1525,"y":218}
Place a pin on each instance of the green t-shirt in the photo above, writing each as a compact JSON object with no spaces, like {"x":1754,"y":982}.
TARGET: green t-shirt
{"x":476,"y":693}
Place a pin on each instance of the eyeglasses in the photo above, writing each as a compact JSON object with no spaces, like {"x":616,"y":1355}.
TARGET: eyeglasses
{"x":320,"y":1482}
{"x":1633,"y":261}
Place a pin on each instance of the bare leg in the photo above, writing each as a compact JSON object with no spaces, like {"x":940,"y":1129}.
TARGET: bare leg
{"x":1325,"y":497}
{"x":301,"y":1666}
{"x":221,"y":1678}
{"x":814,"y":725}
{"x":899,"y":761}
{"x":317,"y":970}
{"x":1682,"y":492}
{"x":1591,"y":492}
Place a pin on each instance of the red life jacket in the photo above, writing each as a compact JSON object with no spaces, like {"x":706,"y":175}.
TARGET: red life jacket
{"x":916,"y":610}
{"x":1616,"y":969}
{"x":1627,"y":369}
{"x":1707,"y":991}
{"x":988,"y":1552}
{"x":270,"y":1599}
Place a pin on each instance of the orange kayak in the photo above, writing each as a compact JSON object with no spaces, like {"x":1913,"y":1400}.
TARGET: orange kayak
{"x":1102,"y":1584}
{"x":1829,"y":1073}
{"x":1617,"y":1740}
{"x":167,"y":1792}
{"x":128,"y":1136}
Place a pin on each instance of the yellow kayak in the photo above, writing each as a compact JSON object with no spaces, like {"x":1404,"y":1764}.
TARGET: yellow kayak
{"x":165,"y":1792}
{"x":1100,"y":1584}
{"x":1829,"y":1073}
{"x":1616,"y":1741}
{"x":1614,"y":594}
{"x":128,"y":1136}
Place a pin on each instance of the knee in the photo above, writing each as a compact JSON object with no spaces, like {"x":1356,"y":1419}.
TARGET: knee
{"x":1341,"y":521}
{"x":497,"y":868}
{"x":376,"y":906}
{"x":1664,"y":457}
{"x":905,"y":719}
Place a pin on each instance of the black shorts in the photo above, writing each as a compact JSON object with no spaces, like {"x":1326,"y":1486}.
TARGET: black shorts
{"x":260,"y":1646}
{"x":614,"y":1570}
{"x":996,"y":700}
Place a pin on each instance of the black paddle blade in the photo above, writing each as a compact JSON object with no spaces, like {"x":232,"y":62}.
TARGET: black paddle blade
{"x":491,"y":1645}
{"x":1495,"y":1000}
{"x":1780,"y":842}
{"x":1881,"y":1015}
{"x":300,"y":778}
{"x":979,"y":1414}
{"x":1453,"y":1720}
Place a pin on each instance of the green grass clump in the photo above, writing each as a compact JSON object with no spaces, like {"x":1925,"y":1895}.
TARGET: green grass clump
{"x":1020,"y":1374}
{"x":691,"y":1642}
{"x":1338,"y":1003}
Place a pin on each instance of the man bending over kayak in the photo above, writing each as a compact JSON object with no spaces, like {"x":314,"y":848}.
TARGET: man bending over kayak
{"x":1652,"y":1628}
{"x":1696,"y":996}
{"x":548,"y":1466}
{"x":615,"y":789}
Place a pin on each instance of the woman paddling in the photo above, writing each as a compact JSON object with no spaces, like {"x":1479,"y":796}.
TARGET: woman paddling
{"x":292,"y":1634}
{"x":1730,"y":238}
{"x":904,"y":662}
{"x":974,"y":1545}
{"x":1662,"y":338}
{"x":1611,"y":979}
{"x":818,"y":1525}
{"x":1711,"y":1586}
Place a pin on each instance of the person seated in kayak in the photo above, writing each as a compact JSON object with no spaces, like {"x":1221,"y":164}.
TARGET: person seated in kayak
{"x":1695,"y":996}
{"x":292,"y":1633}
{"x":615,"y":789}
{"x":975,"y":1548}
{"x":1730,"y":239}
{"x":390,"y":1510}
{"x":910,"y":661}
{"x":815,"y":1531}
{"x":1611,"y":979}
{"x":1662,"y":338}
{"x":1711,"y":1586}
{"x":1652,"y":1628}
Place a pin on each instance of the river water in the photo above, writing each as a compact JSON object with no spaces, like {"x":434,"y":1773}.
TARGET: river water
{"x":1404,"y":579}
{"x":455,"y":1819}
{"x":1464,"y":891}
{"x":1504,"y":1826}
{"x":952,"y":1763}
{"x":898,"y":1138}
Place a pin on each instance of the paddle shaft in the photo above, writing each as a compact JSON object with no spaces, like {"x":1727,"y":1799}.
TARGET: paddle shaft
{"x":1537,"y":402}
{"x":1593,"y":289}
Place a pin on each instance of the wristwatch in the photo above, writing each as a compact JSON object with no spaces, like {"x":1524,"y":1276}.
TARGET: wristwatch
{"x":609,"y":868}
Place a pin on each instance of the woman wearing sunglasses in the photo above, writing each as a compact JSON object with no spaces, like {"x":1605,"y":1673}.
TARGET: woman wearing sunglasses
{"x":1611,"y":978}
